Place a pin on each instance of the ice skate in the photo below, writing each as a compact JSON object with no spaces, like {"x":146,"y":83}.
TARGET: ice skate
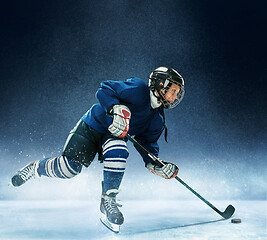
{"x":24,"y":174}
{"x":111,"y":216}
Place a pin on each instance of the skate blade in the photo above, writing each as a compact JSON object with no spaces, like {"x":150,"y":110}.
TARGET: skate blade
{"x":113,"y":227}
{"x":10,"y":184}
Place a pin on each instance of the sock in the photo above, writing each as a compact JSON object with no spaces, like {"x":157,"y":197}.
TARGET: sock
{"x":115,"y":153}
{"x":59,"y":167}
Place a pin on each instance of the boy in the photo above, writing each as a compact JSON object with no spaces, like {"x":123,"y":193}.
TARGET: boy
{"x":130,"y":106}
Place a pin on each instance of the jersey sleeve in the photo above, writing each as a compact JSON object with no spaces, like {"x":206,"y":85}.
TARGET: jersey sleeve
{"x":108,"y":94}
{"x":149,"y":140}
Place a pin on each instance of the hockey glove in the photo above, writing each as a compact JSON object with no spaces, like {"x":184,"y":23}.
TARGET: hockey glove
{"x":121,"y":120}
{"x":168,"y":171}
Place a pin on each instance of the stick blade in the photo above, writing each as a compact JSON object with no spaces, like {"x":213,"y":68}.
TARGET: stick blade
{"x":229,"y":211}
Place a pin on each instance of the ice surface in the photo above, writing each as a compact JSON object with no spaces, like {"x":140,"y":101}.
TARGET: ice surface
{"x":66,"y":220}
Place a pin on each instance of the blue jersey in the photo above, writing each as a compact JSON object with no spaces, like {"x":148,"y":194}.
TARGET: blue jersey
{"x":146,"y":123}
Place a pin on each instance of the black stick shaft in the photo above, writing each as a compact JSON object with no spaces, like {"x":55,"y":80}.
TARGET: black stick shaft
{"x":198,"y":195}
{"x":160,"y":163}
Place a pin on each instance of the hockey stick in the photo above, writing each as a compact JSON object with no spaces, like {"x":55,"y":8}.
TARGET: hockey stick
{"x":228,"y":212}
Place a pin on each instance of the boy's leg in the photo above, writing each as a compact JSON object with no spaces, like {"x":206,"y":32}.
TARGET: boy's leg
{"x":60,"y":167}
{"x":115,"y":153}
{"x":80,"y":149}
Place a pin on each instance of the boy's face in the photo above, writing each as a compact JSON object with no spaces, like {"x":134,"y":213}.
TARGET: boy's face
{"x":171,"y":94}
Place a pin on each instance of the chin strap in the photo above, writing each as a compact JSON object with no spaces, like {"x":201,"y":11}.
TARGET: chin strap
{"x":154,"y":101}
{"x":161,"y":110}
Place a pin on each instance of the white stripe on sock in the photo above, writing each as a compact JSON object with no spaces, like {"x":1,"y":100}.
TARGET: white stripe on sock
{"x":46,"y":169}
{"x":50,"y":167}
{"x":115,"y":164}
{"x":112,"y":143}
{"x":113,"y":170}
{"x":65,"y":169}
{"x":66,"y":161}
{"x":115,"y":158}
{"x":59,"y":169}
{"x":113,"y":148}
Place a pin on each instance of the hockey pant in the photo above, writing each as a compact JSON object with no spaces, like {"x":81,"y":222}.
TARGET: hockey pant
{"x":80,"y":149}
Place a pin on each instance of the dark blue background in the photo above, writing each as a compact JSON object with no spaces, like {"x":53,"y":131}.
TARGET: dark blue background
{"x":54,"y":54}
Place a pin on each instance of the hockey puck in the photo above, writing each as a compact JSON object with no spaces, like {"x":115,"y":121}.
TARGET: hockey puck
{"x":235,"y":220}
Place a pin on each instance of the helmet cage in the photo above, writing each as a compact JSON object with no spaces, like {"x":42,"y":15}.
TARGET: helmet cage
{"x":166,"y":104}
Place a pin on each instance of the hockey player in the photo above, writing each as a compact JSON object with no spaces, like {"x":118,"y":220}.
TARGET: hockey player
{"x":129,"y":106}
